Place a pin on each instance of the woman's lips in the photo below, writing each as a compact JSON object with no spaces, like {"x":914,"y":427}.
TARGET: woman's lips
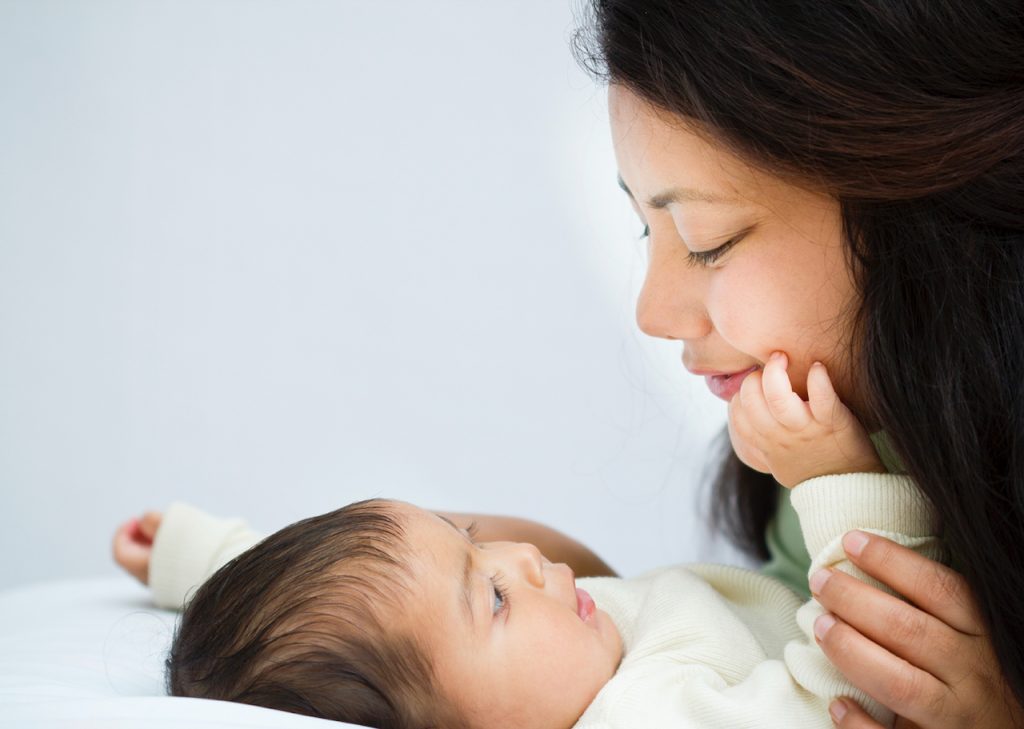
{"x":585,"y":607}
{"x":727,"y":385}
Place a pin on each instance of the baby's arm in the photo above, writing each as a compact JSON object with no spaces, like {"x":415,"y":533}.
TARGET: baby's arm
{"x":774,"y":430}
{"x":178,"y":550}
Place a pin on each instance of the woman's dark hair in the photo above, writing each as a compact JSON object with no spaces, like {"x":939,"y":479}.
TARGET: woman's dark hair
{"x":911,"y":113}
{"x":298,"y":623}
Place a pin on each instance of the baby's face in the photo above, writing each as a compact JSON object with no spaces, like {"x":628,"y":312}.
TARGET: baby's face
{"x":514,"y":644}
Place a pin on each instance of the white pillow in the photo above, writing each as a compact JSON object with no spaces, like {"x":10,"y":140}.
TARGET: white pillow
{"x":89,"y":654}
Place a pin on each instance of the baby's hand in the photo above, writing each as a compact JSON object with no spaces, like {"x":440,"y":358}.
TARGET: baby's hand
{"x":772,"y":429}
{"x":133,"y":544}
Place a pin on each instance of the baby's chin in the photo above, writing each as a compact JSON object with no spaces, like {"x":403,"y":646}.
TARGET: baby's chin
{"x":610,"y":637}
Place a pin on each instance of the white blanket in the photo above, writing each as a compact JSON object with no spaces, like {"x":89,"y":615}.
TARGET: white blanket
{"x":88,"y":654}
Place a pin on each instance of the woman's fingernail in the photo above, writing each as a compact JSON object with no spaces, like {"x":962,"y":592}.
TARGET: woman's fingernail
{"x":854,"y":542}
{"x":776,"y":356}
{"x":838,"y":710}
{"x":818,"y":580}
{"x":822,"y":625}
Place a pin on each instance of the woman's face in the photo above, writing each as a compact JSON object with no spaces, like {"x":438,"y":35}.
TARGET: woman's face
{"x":741,"y":264}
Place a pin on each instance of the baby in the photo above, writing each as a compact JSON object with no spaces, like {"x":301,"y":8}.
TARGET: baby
{"x":387,"y":615}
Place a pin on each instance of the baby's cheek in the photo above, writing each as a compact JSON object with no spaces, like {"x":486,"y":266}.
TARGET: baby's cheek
{"x":612,"y":640}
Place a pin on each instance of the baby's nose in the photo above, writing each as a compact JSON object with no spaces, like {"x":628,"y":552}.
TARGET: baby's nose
{"x":532,"y":562}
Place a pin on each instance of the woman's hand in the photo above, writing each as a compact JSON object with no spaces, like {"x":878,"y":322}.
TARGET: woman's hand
{"x":929,"y":659}
{"x":133,"y":544}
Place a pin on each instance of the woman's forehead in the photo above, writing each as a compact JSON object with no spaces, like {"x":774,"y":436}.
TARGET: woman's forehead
{"x":659,"y":155}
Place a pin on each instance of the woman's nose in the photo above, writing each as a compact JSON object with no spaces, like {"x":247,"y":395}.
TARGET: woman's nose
{"x":671,"y":302}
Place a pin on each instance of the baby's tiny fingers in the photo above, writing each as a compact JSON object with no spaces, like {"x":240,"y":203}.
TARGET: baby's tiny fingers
{"x":745,"y":440}
{"x":739,"y":421}
{"x":784,"y":404}
{"x":132,"y":556}
{"x":821,"y":396}
{"x":149,"y":524}
{"x":755,"y":407}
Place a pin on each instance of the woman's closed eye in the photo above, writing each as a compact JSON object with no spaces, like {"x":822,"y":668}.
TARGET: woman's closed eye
{"x":705,"y":258}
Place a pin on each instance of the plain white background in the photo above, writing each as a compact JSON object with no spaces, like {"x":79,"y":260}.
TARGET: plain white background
{"x":271,"y":257}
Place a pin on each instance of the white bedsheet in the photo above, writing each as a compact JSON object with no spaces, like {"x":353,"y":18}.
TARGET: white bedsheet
{"x":88,"y":654}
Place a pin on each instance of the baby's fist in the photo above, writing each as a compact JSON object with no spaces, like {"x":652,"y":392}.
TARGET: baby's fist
{"x":133,"y":544}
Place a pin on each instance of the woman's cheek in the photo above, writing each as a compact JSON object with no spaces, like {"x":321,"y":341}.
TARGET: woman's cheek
{"x":743,"y":311}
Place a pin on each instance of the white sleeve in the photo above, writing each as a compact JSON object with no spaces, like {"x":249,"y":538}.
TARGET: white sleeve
{"x":721,"y":678}
{"x":189,"y":547}
{"x":828,"y":507}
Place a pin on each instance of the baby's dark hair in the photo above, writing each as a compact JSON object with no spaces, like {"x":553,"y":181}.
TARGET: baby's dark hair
{"x":299,"y":623}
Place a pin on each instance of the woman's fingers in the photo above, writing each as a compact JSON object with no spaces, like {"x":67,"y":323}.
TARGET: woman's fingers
{"x":847,"y":714}
{"x":902,"y":629}
{"x":942,"y":672}
{"x":933,"y":587}
{"x":890,"y":680}
{"x":902,"y":723}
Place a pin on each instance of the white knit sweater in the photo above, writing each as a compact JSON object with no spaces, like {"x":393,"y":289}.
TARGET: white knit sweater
{"x":706,"y":646}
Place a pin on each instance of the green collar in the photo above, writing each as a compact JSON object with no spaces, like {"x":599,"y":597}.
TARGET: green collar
{"x":883,"y":447}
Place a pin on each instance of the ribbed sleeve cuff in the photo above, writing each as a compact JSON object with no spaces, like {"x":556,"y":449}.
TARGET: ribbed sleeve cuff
{"x":830,"y":506}
{"x":190,"y":546}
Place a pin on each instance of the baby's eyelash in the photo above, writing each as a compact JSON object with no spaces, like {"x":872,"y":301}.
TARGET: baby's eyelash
{"x":501,"y":594}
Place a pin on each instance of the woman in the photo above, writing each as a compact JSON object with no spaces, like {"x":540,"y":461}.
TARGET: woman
{"x":845,"y":182}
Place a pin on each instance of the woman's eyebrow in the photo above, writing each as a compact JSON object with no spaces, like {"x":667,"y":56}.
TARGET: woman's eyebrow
{"x":681,"y":194}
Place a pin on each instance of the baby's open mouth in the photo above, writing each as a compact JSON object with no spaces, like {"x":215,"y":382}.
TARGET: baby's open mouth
{"x":584,"y":604}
